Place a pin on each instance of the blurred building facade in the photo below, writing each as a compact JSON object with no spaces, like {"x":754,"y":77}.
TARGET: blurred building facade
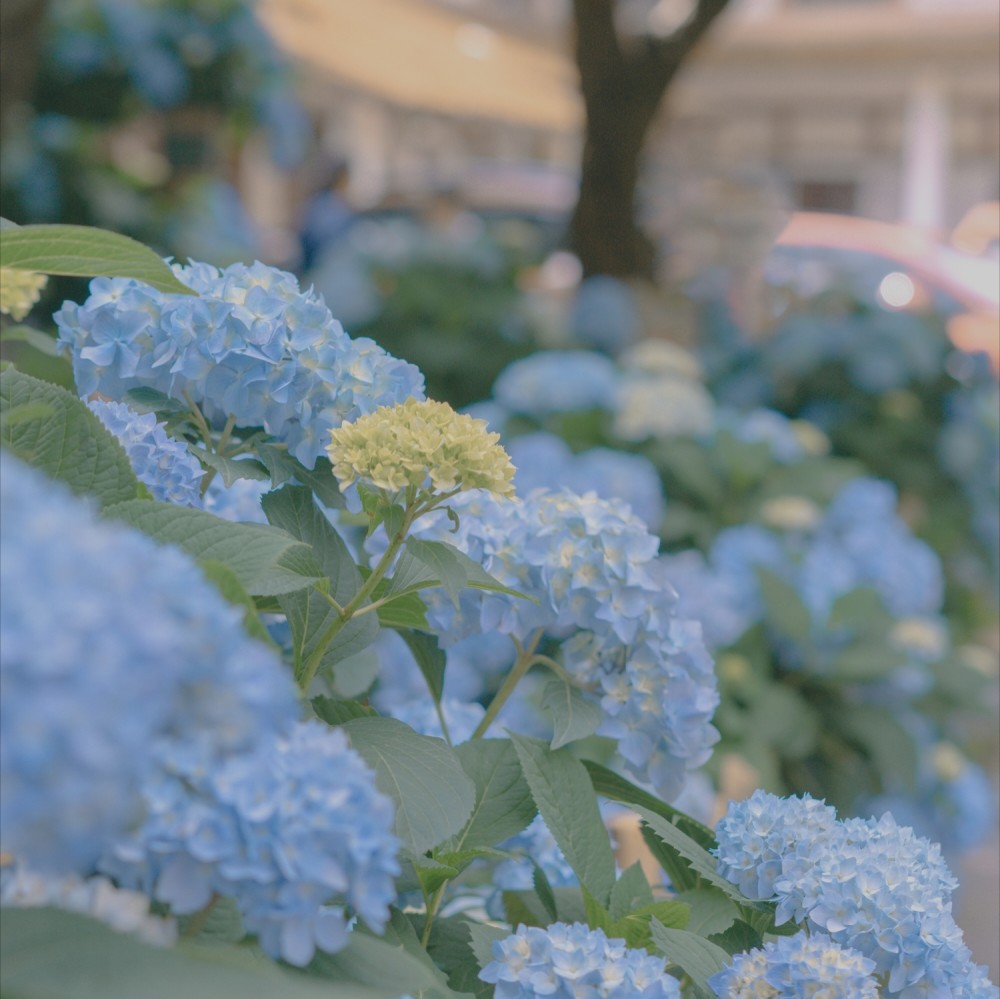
{"x":884,"y":108}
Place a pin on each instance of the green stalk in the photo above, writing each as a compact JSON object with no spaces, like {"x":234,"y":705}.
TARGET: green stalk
{"x":525,"y":660}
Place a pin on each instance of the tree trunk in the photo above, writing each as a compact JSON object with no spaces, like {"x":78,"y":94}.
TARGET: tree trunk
{"x":622,"y":85}
{"x":20,"y":36}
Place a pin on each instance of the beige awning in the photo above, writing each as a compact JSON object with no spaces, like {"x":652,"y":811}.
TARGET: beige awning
{"x":415,"y":55}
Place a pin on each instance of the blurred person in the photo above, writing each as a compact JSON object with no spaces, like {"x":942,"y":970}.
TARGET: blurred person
{"x":328,"y":215}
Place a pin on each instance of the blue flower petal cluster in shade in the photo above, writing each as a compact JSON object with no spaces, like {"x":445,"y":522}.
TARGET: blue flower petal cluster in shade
{"x":545,"y":461}
{"x":162,"y":464}
{"x":557,"y":381}
{"x":870,"y":884}
{"x":569,"y":960}
{"x":250,"y":345}
{"x":593,"y":570}
{"x":294,"y":830}
{"x":111,"y":649}
{"x":540,"y":847}
{"x":239,"y":502}
{"x":792,"y":967}
{"x":605,"y":314}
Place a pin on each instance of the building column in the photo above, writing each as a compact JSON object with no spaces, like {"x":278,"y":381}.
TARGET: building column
{"x":925,"y":155}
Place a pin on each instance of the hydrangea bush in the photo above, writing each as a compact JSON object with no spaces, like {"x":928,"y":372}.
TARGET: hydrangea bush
{"x":212,"y":738}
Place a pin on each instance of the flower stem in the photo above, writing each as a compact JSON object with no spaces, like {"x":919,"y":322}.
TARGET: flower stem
{"x":198,"y":920}
{"x":431,"y":913}
{"x":525,"y":660}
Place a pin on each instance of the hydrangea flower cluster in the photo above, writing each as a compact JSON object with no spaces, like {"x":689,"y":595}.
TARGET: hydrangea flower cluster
{"x":557,"y":381}
{"x":790,"y":967}
{"x":871,"y":885}
{"x":176,"y":674}
{"x":19,"y":290}
{"x":422,"y":444}
{"x":592,"y":567}
{"x":604,"y":314}
{"x":789,"y":440}
{"x":859,"y":541}
{"x":293,"y":830}
{"x":124,"y":910}
{"x":568,"y":960}
{"x":162,"y":464}
{"x":249,"y":345}
{"x":545,"y":461}
{"x":540,"y":847}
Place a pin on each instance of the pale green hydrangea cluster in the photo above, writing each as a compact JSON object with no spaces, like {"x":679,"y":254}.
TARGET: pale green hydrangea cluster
{"x":422,"y":444}
{"x":19,"y":290}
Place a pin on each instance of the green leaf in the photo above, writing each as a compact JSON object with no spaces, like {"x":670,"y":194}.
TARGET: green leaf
{"x":433,"y":873}
{"x":573,"y":715}
{"x":230,"y":469}
{"x":565,"y":797}
{"x":611,"y":785}
{"x":83,"y":251}
{"x":597,"y":915}
{"x":355,"y":675}
{"x":711,"y":911}
{"x":35,"y":339}
{"x":503,"y":804}
{"x":229,"y":585}
{"x":385,"y":965}
{"x":434,"y":796}
{"x":738,"y":938}
{"x":309,"y":614}
{"x":697,"y":957}
{"x":631,"y":891}
{"x":543,"y":890}
{"x":403,"y":612}
{"x":865,"y":662}
{"x":429,"y":657}
{"x":50,"y":954}
{"x":266,"y":561}
{"x":481,"y":939}
{"x":785,"y":611}
{"x":337,"y":712}
{"x":70,"y":443}
{"x":700,"y":861}
{"x":410,"y":574}
{"x":861,"y":611}
{"x":884,"y":740}
{"x":450,"y":947}
{"x":634,"y":928}
{"x":144,"y":399}
{"x":222,"y":924}
{"x":283,"y":467}
{"x":454,"y":569}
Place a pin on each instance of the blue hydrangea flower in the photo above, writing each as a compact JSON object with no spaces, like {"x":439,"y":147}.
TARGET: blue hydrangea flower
{"x":162,"y":464}
{"x":294,"y":830}
{"x":544,"y":461}
{"x":110,"y":646}
{"x":250,"y":345}
{"x":566,"y":960}
{"x":766,"y":426}
{"x":592,"y":567}
{"x":557,"y":381}
{"x":791,"y":967}
{"x":239,"y":502}
{"x":539,"y":847}
{"x":870,"y":884}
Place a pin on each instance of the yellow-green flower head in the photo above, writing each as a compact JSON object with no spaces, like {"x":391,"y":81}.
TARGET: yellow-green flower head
{"x":19,"y":290}
{"x":423,"y":444}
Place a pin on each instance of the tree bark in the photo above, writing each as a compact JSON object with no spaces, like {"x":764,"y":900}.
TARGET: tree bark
{"x":20,"y":36}
{"x":622,"y":86}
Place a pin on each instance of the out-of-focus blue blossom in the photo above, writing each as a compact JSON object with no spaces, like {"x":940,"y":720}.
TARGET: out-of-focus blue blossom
{"x":545,"y":461}
{"x":564,"y":959}
{"x":208,"y":221}
{"x":592,"y":568}
{"x":538,"y":846}
{"x":124,"y":910}
{"x":250,"y":345}
{"x":492,"y":412}
{"x":789,"y":440}
{"x":239,"y":502}
{"x":162,"y":464}
{"x":953,"y":804}
{"x":461,"y":717}
{"x":557,"y":381}
{"x":98,"y":679}
{"x":869,"y":884}
{"x":969,"y":448}
{"x":604,"y":314}
{"x":797,"y":966}
{"x":294,"y":830}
